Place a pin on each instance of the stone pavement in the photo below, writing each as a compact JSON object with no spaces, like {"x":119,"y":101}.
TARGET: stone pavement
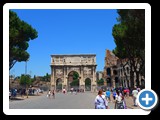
{"x":62,"y":101}
{"x":129,"y":103}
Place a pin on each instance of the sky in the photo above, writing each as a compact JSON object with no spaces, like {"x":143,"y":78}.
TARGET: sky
{"x":66,"y":31}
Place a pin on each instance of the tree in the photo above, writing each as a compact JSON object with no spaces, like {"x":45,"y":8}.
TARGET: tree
{"x":129,"y":36}
{"x":100,"y":82}
{"x":75,"y":76}
{"x":25,"y":80}
{"x":33,"y":79}
{"x":20,"y":33}
{"x":75,"y":81}
{"x":46,"y":77}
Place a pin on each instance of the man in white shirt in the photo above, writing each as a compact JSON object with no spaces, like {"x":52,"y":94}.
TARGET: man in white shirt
{"x":135,"y":93}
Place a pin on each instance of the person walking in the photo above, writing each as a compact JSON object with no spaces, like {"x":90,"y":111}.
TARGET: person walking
{"x":9,"y":95}
{"x":114,"y":94}
{"x":49,"y":94}
{"x":53,"y":94}
{"x":119,"y":103}
{"x":108,"y":94}
{"x":100,"y":101}
{"x":134,"y":94}
{"x":64,"y":91}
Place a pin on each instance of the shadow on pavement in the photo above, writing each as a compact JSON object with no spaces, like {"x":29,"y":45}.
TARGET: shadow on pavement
{"x":16,"y":99}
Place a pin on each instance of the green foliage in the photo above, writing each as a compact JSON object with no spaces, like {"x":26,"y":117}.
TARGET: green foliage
{"x":46,"y":77}
{"x":20,"y":33}
{"x":75,"y":81}
{"x":129,"y":36}
{"x":75,"y":76}
{"x":100,"y":82}
{"x":25,"y":80}
{"x":34,"y":77}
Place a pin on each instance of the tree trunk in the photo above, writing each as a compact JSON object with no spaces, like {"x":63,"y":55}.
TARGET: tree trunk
{"x":132,"y":78}
{"x":137,"y":78}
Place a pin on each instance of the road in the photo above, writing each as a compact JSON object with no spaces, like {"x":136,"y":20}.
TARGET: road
{"x":61,"y":101}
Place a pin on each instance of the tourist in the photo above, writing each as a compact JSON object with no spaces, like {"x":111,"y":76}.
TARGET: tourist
{"x":53,"y":94}
{"x":138,"y":89}
{"x":49,"y":93}
{"x":72,"y":90}
{"x":114,"y":94}
{"x":75,"y":91}
{"x":134,"y":95}
{"x":119,"y":103}
{"x":108,"y":94}
{"x":64,"y":91}
{"x":127,"y":92}
{"x":100,"y":101}
{"x":9,"y":95}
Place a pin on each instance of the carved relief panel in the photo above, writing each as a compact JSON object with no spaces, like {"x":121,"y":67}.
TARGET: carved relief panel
{"x":87,"y":72}
{"x":59,"y":73}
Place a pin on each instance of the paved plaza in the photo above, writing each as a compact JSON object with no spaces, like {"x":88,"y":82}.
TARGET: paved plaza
{"x":62,"y":101}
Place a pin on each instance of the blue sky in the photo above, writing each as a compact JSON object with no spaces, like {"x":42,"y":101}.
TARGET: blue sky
{"x":66,"y":32}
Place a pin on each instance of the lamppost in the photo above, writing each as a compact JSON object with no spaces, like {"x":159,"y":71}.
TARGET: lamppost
{"x":26,"y":77}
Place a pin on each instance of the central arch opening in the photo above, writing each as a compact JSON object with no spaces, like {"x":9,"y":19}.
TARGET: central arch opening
{"x":73,"y":80}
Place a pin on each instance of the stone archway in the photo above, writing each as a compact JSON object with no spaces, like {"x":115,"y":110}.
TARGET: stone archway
{"x":83,"y":64}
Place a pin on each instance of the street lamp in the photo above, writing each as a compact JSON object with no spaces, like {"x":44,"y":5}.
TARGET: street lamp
{"x":26,"y":76}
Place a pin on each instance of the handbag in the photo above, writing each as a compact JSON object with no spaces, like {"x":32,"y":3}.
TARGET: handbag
{"x":104,"y":102}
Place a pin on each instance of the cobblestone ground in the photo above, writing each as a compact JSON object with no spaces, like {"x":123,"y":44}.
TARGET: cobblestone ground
{"x":61,"y":101}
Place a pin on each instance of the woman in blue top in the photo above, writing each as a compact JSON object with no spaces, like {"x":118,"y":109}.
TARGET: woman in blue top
{"x":114,"y":94}
{"x":108,"y":93}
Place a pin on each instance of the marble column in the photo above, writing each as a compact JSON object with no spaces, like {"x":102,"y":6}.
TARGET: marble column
{"x":64,"y":78}
{"x":93,"y":84}
{"x":81,"y":82}
{"x":52,"y":79}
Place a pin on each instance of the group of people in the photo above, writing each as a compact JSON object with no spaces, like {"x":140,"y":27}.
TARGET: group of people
{"x":73,"y":91}
{"x":51,"y":93}
{"x":103,"y":97}
{"x":12,"y":93}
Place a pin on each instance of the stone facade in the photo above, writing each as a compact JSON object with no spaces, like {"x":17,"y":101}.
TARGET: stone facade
{"x":83,"y":64}
{"x":115,"y":75}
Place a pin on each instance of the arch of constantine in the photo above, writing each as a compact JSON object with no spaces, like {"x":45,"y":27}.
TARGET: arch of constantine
{"x":63,"y":65}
